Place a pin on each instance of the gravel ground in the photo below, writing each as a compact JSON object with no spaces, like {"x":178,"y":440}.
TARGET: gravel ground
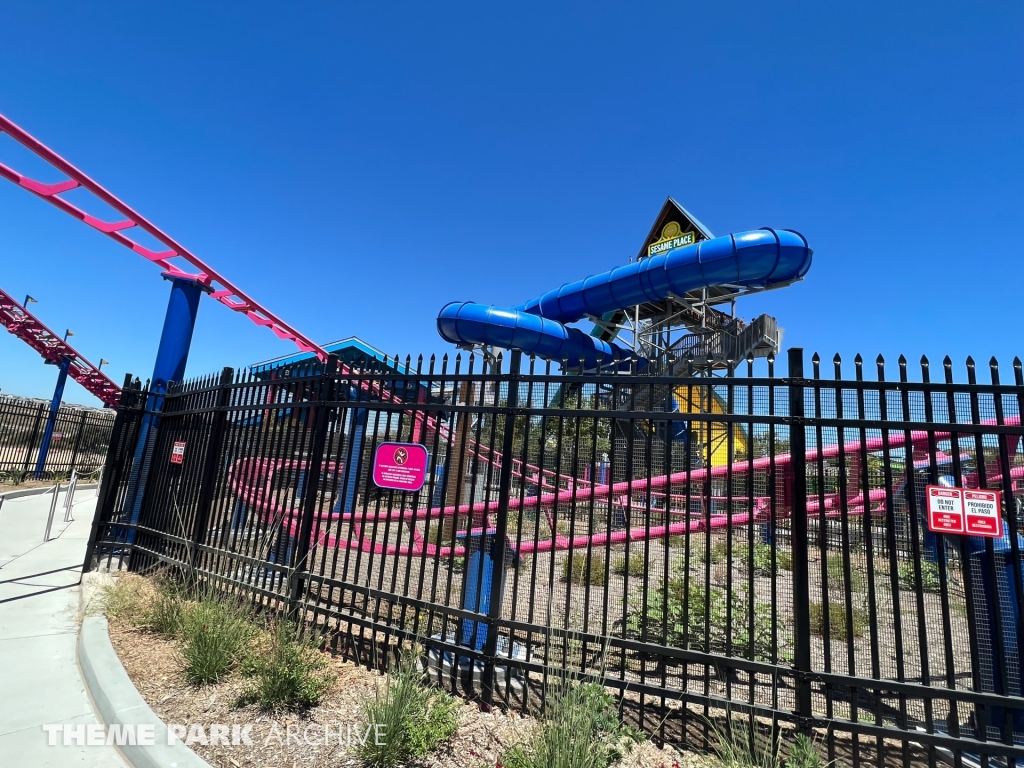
{"x":153,"y":664}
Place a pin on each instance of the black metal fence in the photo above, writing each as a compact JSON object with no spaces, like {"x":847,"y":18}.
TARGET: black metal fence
{"x":751,"y":543}
{"x":80,"y":439}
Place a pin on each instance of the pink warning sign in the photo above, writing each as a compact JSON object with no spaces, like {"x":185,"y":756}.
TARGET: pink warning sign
{"x":400,"y":466}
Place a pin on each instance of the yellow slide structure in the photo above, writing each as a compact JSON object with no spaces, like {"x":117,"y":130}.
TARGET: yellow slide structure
{"x":703,"y":399}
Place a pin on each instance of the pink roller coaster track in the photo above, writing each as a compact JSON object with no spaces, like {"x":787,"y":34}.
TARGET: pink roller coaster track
{"x":221,"y":288}
{"x":252,"y":482}
{"x":177,"y":259}
{"x":53,"y":349}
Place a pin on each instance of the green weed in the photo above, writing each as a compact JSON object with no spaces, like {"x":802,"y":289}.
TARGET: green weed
{"x":288,"y":672}
{"x":929,"y":576}
{"x":837,"y":577}
{"x":214,"y":632}
{"x":576,"y":569}
{"x":675,"y":616}
{"x":837,"y":627}
{"x":406,"y":719}
{"x":632,"y":565}
{"x":581,"y":729}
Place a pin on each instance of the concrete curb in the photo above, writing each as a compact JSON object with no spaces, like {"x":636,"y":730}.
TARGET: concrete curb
{"x":44,"y":489}
{"x":118,"y":703}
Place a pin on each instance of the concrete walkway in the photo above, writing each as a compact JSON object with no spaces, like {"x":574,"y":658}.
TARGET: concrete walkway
{"x":40,"y":615}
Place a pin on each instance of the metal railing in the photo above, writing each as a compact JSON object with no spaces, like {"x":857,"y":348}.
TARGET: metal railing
{"x":760,"y":548}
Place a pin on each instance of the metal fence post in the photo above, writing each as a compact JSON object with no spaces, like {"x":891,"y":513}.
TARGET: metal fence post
{"x":494,"y":607}
{"x":325,"y":392}
{"x":211,"y":465}
{"x":78,"y":441}
{"x":109,"y":478}
{"x":801,"y":569}
{"x":32,"y":440}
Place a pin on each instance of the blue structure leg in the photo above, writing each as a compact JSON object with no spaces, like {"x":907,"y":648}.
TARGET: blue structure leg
{"x":171,"y":357}
{"x":58,"y":395}
{"x":356,"y":433}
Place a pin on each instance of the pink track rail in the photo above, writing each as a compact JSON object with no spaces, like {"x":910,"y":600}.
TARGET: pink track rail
{"x":177,"y":259}
{"x":170,"y":260}
{"x":245,"y":471}
{"x":53,"y":349}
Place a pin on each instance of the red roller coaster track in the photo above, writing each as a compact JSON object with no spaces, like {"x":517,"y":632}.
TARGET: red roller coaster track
{"x":27,"y":327}
{"x":220,"y":288}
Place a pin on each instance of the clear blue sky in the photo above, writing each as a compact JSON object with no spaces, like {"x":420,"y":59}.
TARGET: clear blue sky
{"x":356,"y":166}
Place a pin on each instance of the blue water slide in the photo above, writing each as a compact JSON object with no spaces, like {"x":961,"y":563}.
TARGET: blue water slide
{"x":758,"y":259}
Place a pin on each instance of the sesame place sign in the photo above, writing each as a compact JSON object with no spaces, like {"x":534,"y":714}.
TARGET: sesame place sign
{"x":672,"y":237}
{"x":400,"y":466}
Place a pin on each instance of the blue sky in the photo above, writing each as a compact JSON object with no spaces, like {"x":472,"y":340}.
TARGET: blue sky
{"x":355,"y":167}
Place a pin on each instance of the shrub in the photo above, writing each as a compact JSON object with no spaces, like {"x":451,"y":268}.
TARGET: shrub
{"x":762,"y":557}
{"x":837,"y":628}
{"x":13,"y":476}
{"x":632,"y":565}
{"x":214,"y":632}
{"x":804,"y":754}
{"x":288,"y":673}
{"x":124,"y":599}
{"x":577,"y":569}
{"x":929,"y":576}
{"x":166,"y":610}
{"x":581,"y":729}
{"x":411,"y":719}
{"x":740,"y":743}
{"x":837,"y":577}
{"x":728,"y":628}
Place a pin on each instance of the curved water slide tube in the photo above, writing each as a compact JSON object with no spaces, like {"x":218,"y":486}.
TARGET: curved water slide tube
{"x":759,"y":259}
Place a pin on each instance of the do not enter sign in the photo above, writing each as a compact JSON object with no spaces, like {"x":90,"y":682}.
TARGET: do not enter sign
{"x":178,"y":452}
{"x":964,"y":511}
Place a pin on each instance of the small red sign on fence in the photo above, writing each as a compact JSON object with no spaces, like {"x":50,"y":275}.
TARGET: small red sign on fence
{"x":963,"y":511}
{"x":945,"y":509}
{"x":178,"y":452}
{"x":981,"y":510}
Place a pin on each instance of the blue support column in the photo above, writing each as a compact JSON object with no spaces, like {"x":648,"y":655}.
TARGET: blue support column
{"x":58,"y":395}
{"x":356,"y":435}
{"x":997,"y":591}
{"x":479,"y":577}
{"x":171,"y":357}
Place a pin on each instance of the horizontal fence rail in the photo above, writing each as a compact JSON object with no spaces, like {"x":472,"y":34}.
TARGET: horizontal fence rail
{"x":80,"y":439}
{"x":749,"y":543}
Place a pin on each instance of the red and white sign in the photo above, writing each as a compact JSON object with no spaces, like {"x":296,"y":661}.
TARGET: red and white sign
{"x":945,"y":509}
{"x":178,"y":452}
{"x":400,"y":466}
{"x":964,"y":511}
{"x":981,"y":509}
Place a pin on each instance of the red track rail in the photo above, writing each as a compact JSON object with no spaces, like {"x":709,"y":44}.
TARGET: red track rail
{"x":220,"y":288}
{"x":23,"y":324}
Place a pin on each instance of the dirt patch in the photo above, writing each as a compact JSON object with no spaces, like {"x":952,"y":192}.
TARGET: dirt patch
{"x":298,"y":739}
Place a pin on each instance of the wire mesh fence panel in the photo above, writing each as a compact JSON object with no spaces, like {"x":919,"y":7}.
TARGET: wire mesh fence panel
{"x":751,"y":543}
{"x":79,"y":440}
